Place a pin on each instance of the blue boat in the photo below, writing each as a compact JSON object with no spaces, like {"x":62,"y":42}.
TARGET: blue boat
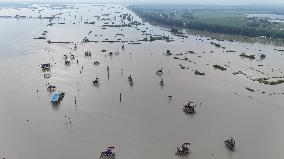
{"x":57,"y":97}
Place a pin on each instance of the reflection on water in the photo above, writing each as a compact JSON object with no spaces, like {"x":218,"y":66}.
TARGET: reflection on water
{"x":146,"y":124}
{"x":55,"y":106}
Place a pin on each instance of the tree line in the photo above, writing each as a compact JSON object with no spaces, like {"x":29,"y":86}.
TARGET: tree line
{"x":215,"y":28}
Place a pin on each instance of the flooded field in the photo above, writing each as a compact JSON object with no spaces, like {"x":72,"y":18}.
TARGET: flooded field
{"x":237,"y":88}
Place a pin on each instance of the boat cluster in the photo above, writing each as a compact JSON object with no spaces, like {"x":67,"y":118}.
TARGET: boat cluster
{"x":181,"y":150}
{"x":184,"y":148}
{"x":56,"y":97}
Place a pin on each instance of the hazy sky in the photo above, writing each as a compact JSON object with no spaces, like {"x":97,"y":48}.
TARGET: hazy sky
{"x":161,"y":1}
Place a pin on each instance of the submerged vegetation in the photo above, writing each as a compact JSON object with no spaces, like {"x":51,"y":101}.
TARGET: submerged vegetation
{"x":247,"y":56}
{"x":219,"y":67}
{"x":199,"y":73}
{"x":265,"y":81}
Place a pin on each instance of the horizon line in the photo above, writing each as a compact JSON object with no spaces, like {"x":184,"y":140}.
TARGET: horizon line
{"x":145,"y":3}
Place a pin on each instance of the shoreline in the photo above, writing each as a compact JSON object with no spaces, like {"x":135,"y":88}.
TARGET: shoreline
{"x":192,"y":21}
{"x":222,"y":36}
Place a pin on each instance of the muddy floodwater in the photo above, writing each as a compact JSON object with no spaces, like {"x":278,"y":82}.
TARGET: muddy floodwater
{"x":146,"y":124}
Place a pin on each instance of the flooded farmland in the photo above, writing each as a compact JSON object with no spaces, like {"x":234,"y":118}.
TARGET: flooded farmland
{"x":237,"y":88}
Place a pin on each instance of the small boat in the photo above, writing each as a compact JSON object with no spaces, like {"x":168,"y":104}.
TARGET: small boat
{"x":51,"y":88}
{"x":162,"y":82}
{"x":108,"y":154}
{"x":56,"y":98}
{"x":96,"y":63}
{"x":72,"y":56}
{"x":45,"y":66}
{"x":96,"y":82}
{"x":159,"y":72}
{"x":130,"y":79}
{"x":88,"y":53}
{"x":46,"y":76}
{"x":230,"y":144}
{"x":67,"y":63}
{"x":189,"y":109}
{"x":183,"y":149}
